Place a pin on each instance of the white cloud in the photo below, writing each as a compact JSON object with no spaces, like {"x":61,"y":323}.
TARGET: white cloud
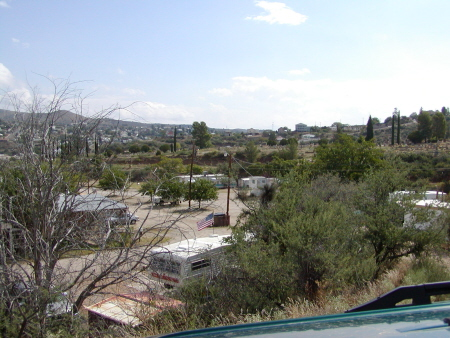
{"x":302,"y":71}
{"x":260,"y":101}
{"x":6,"y":77}
{"x":133,"y":92}
{"x":19,"y":43}
{"x":120,"y":71}
{"x":154,"y":112}
{"x":221,"y":92}
{"x":278,"y":12}
{"x":4,"y":4}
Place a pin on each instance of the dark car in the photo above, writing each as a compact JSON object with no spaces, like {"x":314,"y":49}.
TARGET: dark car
{"x":379,"y":318}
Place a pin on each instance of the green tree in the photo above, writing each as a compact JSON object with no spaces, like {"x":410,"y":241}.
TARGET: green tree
{"x":369,"y":132}
{"x":203,"y":190}
{"x":424,"y":125}
{"x":197,"y":169}
{"x":393,"y":127}
{"x":167,"y":168}
{"x":175,"y":139}
{"x":150,"y":188}
{"x":114,"y":179}
{"x":134,"y":148}
{"x":251,"y":152}
{"x":438,"y":126}
{"x":272,"y":141}
{"x":172,"y":190}
{"x":304,"y":236}
{"x":284,"y":142}
{"x":201,"y":135}
{"x":291,"y":153}
{"x":164,"y":147}
{"x":381,"y":219}
{"x":348,"y":158}
{"x":145,"y":148}
{"x":415,"y":137}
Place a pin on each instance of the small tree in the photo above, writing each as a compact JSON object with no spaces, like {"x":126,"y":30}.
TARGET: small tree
{"x":381,"y":218}
{"x":415,"y":137}
{"x":201,"y":135}
{"x":164,"y":147}
{"x":145,"y":148}
{"x":149,"y":188}
{"x":369,"y":132}
{"x":113,"y":179}
{"x":393,"y":127}
{"x":203,"y":190}
{"x":424,"y":125}
{"x":272,"y":141}
{"x":172,"y":190}
{"x":348,"y":158}
{"x":134,"y":148}
{"x":251,"y":152}
{"x":438,"y":126}
{"x":175,"y":139}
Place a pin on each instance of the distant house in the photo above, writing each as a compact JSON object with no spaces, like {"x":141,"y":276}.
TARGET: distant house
{"x":255,"y":184}
{"x":253,"y":132}
{"x":302,"y":128}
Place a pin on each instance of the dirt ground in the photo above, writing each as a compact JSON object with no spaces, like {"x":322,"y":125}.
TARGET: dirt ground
{"x":181,"y":219}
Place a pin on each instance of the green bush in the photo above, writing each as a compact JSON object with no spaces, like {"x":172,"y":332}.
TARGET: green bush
{"x":426,"y":270}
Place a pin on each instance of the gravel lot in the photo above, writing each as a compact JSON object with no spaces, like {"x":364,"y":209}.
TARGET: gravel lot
{"x":181,"y":220}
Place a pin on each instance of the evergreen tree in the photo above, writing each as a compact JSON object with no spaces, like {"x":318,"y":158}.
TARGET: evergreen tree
{"x":369,"y":133}
{"x":424,"y":125}
{"x":393,"y":128}
{"x":175,"y":140}
{"x":398,"y":127}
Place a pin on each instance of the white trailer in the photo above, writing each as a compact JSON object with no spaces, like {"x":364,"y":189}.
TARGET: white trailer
{"x":191,"y":258}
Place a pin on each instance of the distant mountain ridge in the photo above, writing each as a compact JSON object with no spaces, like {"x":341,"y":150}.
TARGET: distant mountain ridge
{"x":65,"y":117}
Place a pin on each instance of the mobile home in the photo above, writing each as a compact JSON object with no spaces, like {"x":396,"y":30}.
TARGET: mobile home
{"x":191,"y":258}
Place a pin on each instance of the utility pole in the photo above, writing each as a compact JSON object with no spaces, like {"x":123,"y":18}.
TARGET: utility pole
{"x":228,"y":193}
{"x":190,"y":176}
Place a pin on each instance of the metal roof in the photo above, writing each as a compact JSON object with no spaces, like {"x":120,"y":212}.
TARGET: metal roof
{"x":91,"y":202}
{"x":192,"y":247}
{"x":132,"y":309}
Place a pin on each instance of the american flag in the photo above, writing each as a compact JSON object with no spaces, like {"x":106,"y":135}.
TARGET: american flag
{"x":205,"y":222}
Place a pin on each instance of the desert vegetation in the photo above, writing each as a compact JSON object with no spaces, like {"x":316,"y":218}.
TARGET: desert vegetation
{"x":329,"y":235}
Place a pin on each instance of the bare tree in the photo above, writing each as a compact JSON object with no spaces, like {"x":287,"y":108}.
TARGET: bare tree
{"x":53,"y":242}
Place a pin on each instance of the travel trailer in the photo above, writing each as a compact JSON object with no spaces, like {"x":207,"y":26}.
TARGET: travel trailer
{"x":192,"y":258}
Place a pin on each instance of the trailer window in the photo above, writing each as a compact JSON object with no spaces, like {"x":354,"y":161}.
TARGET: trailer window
{"x":203,"y":263}
{"x":162,"y":264}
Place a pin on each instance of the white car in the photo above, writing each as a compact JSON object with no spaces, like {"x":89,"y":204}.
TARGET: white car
{"x":121,"y":220}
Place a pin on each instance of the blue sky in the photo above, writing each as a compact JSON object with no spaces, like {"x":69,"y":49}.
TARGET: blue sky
{"x":234,"y":63}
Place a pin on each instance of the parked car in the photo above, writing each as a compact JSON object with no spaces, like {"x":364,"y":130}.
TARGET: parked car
{"x":128,"y":218}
